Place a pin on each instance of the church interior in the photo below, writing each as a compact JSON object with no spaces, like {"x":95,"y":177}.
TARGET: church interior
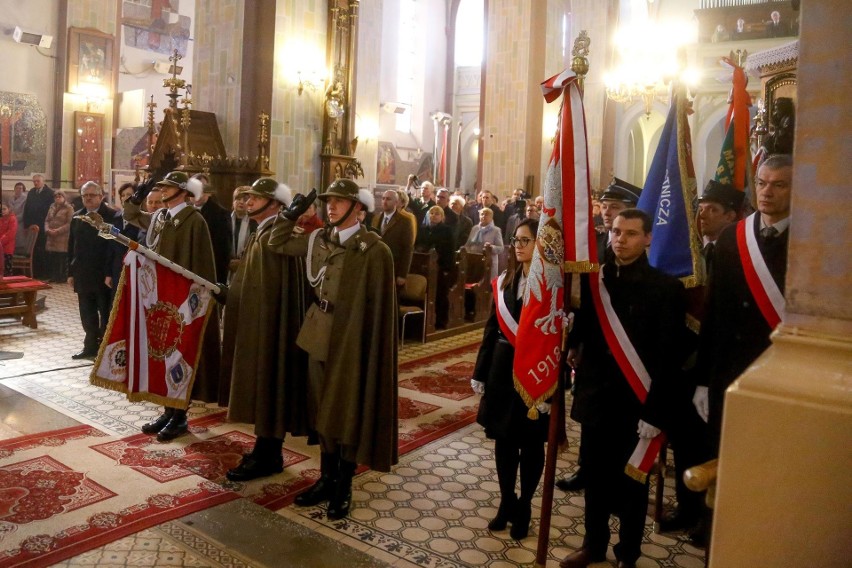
{"x":309,"y":91}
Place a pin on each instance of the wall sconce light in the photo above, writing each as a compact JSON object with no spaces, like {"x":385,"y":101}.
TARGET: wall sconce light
{"x":313,"y":81}
{"x":366,"y":128}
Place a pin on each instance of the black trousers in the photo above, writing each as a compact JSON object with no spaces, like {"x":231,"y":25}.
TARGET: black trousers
{"x":41,"y":264}
{"x":509,"y":455}
{"x":688,"y":437}
{"x":609,"y":491}
{"x":94,"y":315}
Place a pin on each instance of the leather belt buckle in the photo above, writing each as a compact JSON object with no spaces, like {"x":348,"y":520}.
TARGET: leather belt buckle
{"x":324,"y":305}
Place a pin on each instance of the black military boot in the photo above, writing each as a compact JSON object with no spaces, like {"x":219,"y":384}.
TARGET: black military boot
{"x":322,"y":489}
{"x":176,"y":427}
{"x":341,"y":498}
{"x":155,"y":426}
{"x":264,"y":460}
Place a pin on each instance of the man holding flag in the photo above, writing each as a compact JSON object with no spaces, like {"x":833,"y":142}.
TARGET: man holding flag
{"x":163,"y":361}
{"x":625,"y":347}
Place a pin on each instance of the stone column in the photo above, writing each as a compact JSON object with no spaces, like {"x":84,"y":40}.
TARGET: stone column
{"x":783,"y":494}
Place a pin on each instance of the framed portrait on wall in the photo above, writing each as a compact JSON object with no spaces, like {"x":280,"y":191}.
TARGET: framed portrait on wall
{"x":88,"y":148}
{"x":90,"y":62}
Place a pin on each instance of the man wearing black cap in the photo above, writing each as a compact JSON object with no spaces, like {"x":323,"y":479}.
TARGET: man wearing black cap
{"x":179,"y":233}
{"x":718,"y":207}
{"x":619,"y":196}
{"x":351,"y":339}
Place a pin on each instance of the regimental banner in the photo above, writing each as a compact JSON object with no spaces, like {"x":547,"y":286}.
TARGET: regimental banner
{"x":734,"y":158}
{"x":565,"y":241}
{"x":153,"y":342}
{"x":670,"y":198}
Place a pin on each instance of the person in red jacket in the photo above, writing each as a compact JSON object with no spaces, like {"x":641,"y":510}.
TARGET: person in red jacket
{"x":8,"y":228}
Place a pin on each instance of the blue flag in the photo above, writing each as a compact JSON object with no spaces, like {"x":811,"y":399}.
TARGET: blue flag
{"x":670,"y":198}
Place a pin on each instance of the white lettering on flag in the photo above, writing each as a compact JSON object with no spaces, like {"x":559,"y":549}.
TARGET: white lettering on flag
{"x":665,"y":202}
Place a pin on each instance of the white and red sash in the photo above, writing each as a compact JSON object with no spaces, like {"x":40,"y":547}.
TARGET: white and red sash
{"x":763,"y":288}
{"x":508,"y":323}
{"x":640,"y":463}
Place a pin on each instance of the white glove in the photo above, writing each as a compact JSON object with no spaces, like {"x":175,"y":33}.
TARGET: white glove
{"x":543,"y":407}
{"x":477,"y":386}
{"x":701,"y":401}
{"x":647,"y":430}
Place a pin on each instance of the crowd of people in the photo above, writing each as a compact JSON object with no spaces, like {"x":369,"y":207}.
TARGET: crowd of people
{"x":308,"y":345}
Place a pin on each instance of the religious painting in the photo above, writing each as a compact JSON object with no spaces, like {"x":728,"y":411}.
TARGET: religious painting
{"x":23,"y":134}
{"x":386,"y":166}
{"x":90,"y":62}
{"x":131,"y":149}
{"x":88,"y":148}
{"x":157,"y":27}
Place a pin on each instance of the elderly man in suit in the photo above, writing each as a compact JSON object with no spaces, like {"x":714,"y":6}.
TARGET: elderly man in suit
{"x":89,"y":267}
{"x":741,"y":313}
{"x":397,"y":233}
{"x":39,"y":200}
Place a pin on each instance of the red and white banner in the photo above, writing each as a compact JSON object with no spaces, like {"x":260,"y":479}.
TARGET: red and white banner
{"x":153,"y":342}
{"x":565,"y":241}
{"x":766,"y":293}
{"x":640,"y":463}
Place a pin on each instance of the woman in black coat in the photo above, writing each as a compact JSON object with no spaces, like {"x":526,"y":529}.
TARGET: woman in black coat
{"x":439,"y":236}
{"x":518,"y":441}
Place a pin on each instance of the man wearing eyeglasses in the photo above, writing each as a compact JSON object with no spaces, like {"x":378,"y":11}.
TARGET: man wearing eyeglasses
{"x":88,"y":268}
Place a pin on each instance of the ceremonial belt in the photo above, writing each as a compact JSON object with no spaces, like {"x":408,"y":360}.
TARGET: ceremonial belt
{"x":639,"y":465}
{"x":763,"y":288}
{"x":508,"y":324}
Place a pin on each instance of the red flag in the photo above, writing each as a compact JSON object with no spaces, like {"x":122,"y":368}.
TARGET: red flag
{"x":734,"y":159}
{"x":153,"y":341}
{"x":565,"y":241}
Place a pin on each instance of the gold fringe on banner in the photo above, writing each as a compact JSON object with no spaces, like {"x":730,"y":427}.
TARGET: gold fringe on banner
{"x":581,"y":266}
{"x":533,"y":413}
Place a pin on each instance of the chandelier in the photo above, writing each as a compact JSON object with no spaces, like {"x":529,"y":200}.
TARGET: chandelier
{"x":648,"y":57}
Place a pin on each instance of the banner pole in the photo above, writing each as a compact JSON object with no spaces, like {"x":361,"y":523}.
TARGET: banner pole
{"x":556,"y":429}
{"x":107,"y":231}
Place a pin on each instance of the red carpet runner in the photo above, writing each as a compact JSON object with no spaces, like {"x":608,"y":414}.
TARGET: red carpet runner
{"x":68,"y":491}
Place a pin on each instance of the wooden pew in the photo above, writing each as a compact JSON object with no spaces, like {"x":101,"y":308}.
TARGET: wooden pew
{"x":478,"y":294}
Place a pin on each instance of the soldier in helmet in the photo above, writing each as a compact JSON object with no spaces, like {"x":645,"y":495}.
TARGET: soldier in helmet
{"x":262,"y":368}
{"x":179,"y":233}
{"x":350,"y":337}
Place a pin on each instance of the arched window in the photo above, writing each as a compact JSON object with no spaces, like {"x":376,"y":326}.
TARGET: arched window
{"x":469,"y":40}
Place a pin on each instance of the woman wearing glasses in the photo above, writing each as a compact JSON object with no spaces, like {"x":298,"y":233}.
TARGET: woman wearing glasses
{"x":518,"y":441}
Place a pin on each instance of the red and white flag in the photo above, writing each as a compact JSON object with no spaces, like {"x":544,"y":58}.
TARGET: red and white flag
{"x":565,"y":242}
{"x":153,"y":342}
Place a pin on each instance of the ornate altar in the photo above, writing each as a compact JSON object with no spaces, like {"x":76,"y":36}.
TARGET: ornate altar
{"x":189,"y":140}
{"x":338,"y":128}
{"x":777,"y":69}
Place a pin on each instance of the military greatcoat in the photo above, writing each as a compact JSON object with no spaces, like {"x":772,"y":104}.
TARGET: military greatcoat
{"x":261,"y":363}
{"x":185,"y":240}
{"x":356,"y":337}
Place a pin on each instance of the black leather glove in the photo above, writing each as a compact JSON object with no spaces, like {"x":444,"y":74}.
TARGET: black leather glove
{"x":299,"y":205}
{"x":142,"y":191}
{"x":222,"y":295}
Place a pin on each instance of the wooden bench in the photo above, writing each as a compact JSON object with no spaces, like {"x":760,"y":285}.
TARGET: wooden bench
{"x":477,"y":285}
{"x":18,"y":298}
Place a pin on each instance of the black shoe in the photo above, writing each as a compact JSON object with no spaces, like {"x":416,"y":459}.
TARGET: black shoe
{"x":505,"y":512}
{"x":316,"y":493}
{"x":155,"y":426}
{"x":85,"y":354}
{"x":176,"y":427}
{"x":251,"y":468}
{"x":576,"y":482}
{"x":521,"y":520}
{"x":340,"y":501}
{"x":677,"y":521}
{"x":700,"y":535}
